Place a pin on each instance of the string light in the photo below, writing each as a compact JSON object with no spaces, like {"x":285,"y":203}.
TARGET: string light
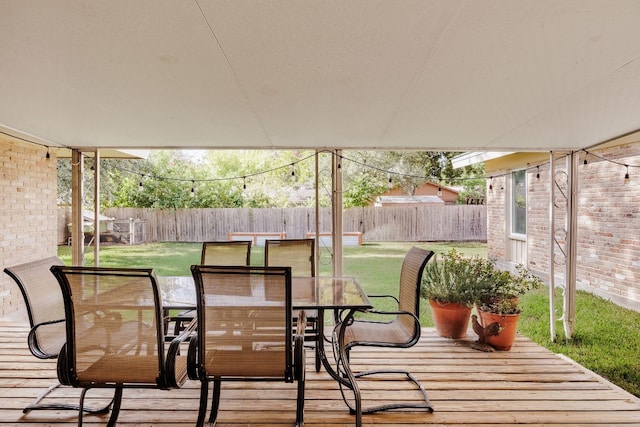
{"x":586,"y":153}
{"x":193,"y":190}
{"x":439,"y":189}
{"x":48,"y":155}
{"x":389,"y":173}
{"x":244,"y":182}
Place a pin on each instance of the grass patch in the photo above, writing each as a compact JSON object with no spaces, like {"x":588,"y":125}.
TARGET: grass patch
{"x":607,"y":338}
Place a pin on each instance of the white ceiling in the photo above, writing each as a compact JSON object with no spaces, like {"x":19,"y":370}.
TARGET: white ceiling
{"x":416,"y":74}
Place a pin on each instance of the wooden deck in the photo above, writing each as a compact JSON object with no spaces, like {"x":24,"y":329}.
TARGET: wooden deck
{"x":526,"y":386}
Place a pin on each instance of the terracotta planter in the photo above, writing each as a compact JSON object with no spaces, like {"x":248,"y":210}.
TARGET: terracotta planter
{"x":508,"y":329}
{"x":451,"y":320}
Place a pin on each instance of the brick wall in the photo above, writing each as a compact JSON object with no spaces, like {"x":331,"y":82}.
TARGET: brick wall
{"x":609,"y":225}
{"x":28,"y":190}
{"x":496,"y":225}
{"x":608,"y":246}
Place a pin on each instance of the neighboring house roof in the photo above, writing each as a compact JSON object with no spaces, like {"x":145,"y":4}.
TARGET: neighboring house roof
{"x":408,"y":200}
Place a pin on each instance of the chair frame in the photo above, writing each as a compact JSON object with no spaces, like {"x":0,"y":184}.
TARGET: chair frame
{"x":416,"y":260}
{"x":312,"y":330}
{"x":23,"y":274}
{"x":294,"y":369}
{"x":67,"y":372}
{"x":188,"y":315}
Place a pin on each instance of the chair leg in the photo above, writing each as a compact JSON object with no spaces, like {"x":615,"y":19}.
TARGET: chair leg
{"x":426,"y":404}
{"x":317,"y":352}
{"x":36,"y":405}
{"x":202,"y":411}
{"x":115,"y":411}
{"x":300,"y":403}
{"x":215,"y":400}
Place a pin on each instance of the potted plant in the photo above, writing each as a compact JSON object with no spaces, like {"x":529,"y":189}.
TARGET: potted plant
{"x":450,"y":284}
{"x":499,"y":302}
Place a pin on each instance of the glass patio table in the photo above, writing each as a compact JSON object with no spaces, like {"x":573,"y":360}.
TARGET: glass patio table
{"x":342,"y":294}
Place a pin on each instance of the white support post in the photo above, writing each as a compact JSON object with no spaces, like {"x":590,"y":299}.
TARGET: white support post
{"x":336,"y":205}
{"x":563,"y":240}
{"x":96,"y":209}
{"x":77,"y":198}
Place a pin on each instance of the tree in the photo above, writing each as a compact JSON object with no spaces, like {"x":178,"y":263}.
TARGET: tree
{"x":263,"y":178}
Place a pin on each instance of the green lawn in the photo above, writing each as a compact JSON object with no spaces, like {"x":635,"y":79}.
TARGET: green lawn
{"x":607,"y":338}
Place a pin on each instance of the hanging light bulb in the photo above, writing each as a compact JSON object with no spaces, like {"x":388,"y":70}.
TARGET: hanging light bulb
{"x":584,"y":162}
{"x":538,"y":172}
{"x":491,"y":184}
{"x":439,"y":190}
{"x":193,"y":190}
{"x":293,"y":170}
{"x":48,"y":155}
{"x":140,"y":186}
{"x":244,"y":182}
{"x":626,"y":175}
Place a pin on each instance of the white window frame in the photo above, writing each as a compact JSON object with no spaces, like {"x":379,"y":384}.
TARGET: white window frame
{"x":511,"y":205}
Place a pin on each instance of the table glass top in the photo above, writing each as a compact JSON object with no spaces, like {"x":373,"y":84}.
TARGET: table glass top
{"x":307,"y":292}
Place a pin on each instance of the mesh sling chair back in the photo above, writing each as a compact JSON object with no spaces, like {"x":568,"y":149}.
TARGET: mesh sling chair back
{"x":230,"y":252}
{"x":115,"y":334}
{"x":45,"y":311}
{"x":299,"y":254}
{"x":244,"y":331}
{"x":223,"y":252}
{"x":399,"y":328}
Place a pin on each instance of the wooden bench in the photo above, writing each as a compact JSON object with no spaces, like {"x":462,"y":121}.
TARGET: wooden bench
{"x":256,"y":238}
{"x":349,"y":238}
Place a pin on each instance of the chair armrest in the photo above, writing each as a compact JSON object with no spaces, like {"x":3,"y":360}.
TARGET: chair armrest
{"x":175,"y":378}
{"x":395,"y":315}
{"x":192,"y":359}
{"x":35,"y":347}
{"x":62,"y":368}
{"x":301,"y":323}
{"x":384,"y":296}
{"x":338,"y":315}
{"x":299,"y":357}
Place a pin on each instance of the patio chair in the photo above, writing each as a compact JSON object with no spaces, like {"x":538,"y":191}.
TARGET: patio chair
{"x":45,"y":311}
{"x":299,"y":254}
{"x":399,"y":328}
{"x":230,"y":252}
{"x":224,"y":252}
{"x":115,"y":334}
{"x":244,"y":332}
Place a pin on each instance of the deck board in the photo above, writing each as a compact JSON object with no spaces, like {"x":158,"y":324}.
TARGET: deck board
{"x":528,"y":385}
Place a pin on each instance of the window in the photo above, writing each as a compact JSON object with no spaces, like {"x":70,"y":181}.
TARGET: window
{"x":519,"y":202}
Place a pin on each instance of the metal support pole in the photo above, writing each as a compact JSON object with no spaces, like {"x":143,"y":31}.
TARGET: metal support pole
{"x":77,"y":198}
{"x":552,"y":248}
{"x":96,"y":209}
{"x":317,"y":222}
{"x":569,"y":314}
{"x":563,"y":240}
{"x":336,"y":217}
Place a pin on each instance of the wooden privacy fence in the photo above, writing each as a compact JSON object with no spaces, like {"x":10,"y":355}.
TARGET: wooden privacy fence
{"x":424,"y":223}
